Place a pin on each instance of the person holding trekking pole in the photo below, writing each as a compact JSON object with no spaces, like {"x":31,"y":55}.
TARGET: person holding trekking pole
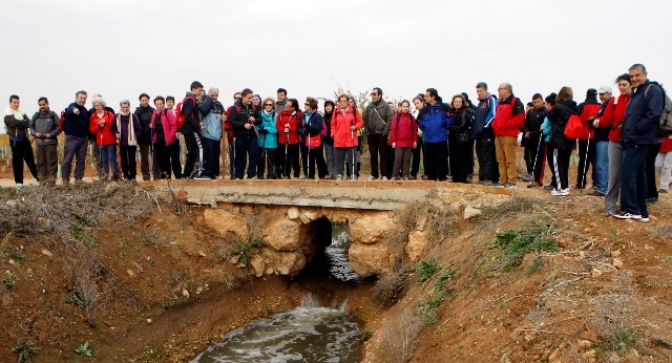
{"x":288,"y":124}
{"x":312,"y":130}
{"x":344,"y":123}
{"x":268,"y":139}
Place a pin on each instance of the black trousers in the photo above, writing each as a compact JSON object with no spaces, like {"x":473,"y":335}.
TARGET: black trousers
{"x":21,"y":151}
{"x":436,"y":160}
{"x":549,"y":157}
{"x":286,"y":162}
{"x":266,"y":161}
{"x":586,"y":157}
{"x":128,"y":164}
{"x":194,"y":153}
{"x":652,"y":190}
{"x":316,"y":158}
{"x":561,"y":166}
{"x":162,"y":158}
{"x":415,"y":161}
{"x":487,"y":159}
{"x":378,"y":148}
{"x":174,"y":151}
{"x":460,"y":153}
{"x":530,"y":153}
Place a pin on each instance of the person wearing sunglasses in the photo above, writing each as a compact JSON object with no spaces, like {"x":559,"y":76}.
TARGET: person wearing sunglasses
{"x":289,"y":140}
{"x":268,"y":139}
{"x":312,"y":129}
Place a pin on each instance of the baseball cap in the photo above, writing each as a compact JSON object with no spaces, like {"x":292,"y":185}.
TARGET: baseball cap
{"x":605,"y":89}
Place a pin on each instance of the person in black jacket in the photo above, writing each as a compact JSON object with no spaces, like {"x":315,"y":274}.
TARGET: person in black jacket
{"x":328,"y":140}
{"x":460,"y":139}
{"x":191,"y":131}
{"x":76,"y":129}
{"x":562,"y":146}
{"x":244,"y":116}
{"x":144,"y":113}
{"x":311,"y":130}
{"x":17,"y":125}
{"x":534,"y":153}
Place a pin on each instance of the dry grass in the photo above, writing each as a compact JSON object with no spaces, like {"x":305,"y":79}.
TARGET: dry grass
{"x":663,"y":231}
{"x":399,"y":337}
{"x":390,"y":289}
{"x":438,"y":219}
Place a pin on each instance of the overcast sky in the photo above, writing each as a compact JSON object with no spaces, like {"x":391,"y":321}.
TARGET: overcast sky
{"x":121,"y":48}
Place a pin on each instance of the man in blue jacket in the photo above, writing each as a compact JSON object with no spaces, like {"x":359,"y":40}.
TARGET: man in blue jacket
{"x":76,"y":130}
{"x":488,"y":169}
{"x":434,"y":120}
{"x":640,"y":134}
{"x":213,"y":114}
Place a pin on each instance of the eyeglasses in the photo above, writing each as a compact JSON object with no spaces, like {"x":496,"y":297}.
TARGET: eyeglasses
{"x":269,"y":104}
{"x":237,"y":98}
{"x":500,"y":88}
{"x":306,"y":104}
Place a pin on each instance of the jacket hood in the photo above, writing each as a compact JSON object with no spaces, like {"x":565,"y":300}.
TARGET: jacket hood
{"x":571,"y":105}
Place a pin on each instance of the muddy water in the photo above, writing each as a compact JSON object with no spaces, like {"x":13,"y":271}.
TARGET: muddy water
{"x":308,"y":333}
{"x":337,"y":253}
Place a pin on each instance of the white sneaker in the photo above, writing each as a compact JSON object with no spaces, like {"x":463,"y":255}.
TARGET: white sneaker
{"x":339,"y":177}
{"x":385,"y":178}
{"x":372,"y":178}
{"x":560,"y":193}
{"x":626,"y":215}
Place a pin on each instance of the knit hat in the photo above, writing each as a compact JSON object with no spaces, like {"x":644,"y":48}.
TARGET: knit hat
{"x":592,"y":93}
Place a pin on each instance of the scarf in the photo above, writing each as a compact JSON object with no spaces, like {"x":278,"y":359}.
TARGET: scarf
{"x":131,"y":129}
{"x":18,"y":115}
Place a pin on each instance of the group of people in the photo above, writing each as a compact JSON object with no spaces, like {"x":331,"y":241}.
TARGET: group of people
{"x":276,"y":138}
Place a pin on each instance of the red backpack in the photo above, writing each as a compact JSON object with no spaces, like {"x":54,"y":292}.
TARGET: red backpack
{"x":180,"y":118}
{"x":574,"y":128}
{"x":61,"y":121}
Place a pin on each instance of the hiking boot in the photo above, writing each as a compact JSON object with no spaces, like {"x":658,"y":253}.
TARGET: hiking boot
{"x":510,"y":185}
{"x":527,"y":177}
{"x":66,"y":182}
{"x":596,"y":194}
{"x":486,"y":183}
{"x":79,"y":182}
{"x":643,"y":219}
{"x":550,"y":187}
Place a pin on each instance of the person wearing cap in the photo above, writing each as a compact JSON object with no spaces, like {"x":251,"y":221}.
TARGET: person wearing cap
{"x":601,"y":142}
{"x":587,"y":110}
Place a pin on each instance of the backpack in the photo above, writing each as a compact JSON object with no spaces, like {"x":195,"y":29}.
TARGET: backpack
{"x":61,"y":121}
{"x":180,"y":117}
{"x":666,"y":117}
{"x":574,"y":127}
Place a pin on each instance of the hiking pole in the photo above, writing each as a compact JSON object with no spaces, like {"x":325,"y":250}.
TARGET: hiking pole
{"x":285,"y":168}
{"x":354,"y":150}
{"x":151,"y":148}
{"x":309,"y":163}
{"x":536,"y":157}
{"x":585,"y":167}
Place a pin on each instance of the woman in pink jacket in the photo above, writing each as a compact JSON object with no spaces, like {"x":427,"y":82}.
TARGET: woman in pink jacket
{"x":404,"y":138}
{"x":164,"y":129}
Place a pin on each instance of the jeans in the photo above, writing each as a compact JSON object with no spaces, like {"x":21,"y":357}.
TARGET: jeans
{"x":344,"y":155}
{"x":211,"y":151}
{"x":247,"y":150}
{"x":21,"y":151}
{"x":506,"y":158}
{"x":614,"y":185}
{"x":601,"y":166}
{"x":663,"y":165}
{"x":633,"y":181}
{"x":331,"y":162}
{"x":108,"y":157}
{"x":75,"y":146}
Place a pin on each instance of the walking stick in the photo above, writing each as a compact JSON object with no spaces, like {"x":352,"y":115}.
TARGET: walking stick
{"x":354,"y":149}
{"x":585,"y":168}
{"x":309,"y":163}
{"x":285,"y":168}
{"x":536,"y":156}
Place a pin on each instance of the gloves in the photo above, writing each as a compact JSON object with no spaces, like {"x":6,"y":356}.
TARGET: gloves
{"x":263,"y":131}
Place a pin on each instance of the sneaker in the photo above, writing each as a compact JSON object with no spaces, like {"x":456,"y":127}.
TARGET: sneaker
{"x":19,"y":186}
{"x":560,"y":193}
{"x":550,"y":187}
{"x":339,"y":177}
{"x":486,"y":183}
{"x":609,"y":214}
{"x":626,"y":215}
{"x":252,"y":178}
{"x":413,"y":177}
{"x":498,"y":185}
{"x":527,"y":177}
{"x":372,"y":178}
{"x":510,"y":185}
{"x":201,"y":176}
{"x":534,"y":186}
{"x":385,"y":178}
{"x":406,"y":178}
{"x":643,"y":219}
{"x":596,"y":194}
{"x":651,"y":200}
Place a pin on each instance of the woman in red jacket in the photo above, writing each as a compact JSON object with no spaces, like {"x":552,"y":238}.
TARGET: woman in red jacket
{"x":345,"y":123}
{"x":101,"y":125}
{"x":403,"y":138}
{"x":613,"y":115}
{"x":164,"y":128}
{"x":289,"y":140}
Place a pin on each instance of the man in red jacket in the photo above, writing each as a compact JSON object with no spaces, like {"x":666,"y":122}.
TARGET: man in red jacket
{"x":509,"y":121}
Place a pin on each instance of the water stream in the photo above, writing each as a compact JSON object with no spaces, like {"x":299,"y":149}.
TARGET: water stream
{"x":309,"y":333}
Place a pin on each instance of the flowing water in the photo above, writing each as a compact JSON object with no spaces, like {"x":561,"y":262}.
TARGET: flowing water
{"x":309,"y":333}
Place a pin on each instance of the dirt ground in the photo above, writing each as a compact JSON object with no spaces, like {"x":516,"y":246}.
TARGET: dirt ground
{"x":161,"y":289}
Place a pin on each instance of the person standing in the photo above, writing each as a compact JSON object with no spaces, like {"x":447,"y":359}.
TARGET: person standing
{"x":244,"y":118}
{"x":419,"y":103}
{"x":663,"y":163}
{"x":460,"y":139}
{"x":639,"y":137}
{"x":289,"y":140}
{"x":564,"y":108}
{"x":345,"y":123}
{"x":533,"y":156}
{"x":546,"y":129}
{"x":144,"y":112}
{"x":403,"y":138}
{"x":328,"y":140}
{"x":128,"y":127}
{"x":213,"y":114}
{"x":164,"y":127}
{"x":600,"y":157}
{"x":613,"y":116}
{"x":376,"y":123}
{"x":488,"y":170}
{"x":104,"y":130}
{"x":76,"y":129}
{"x":509,"y":121}
{"x":311,"y":129}
{"x":268,"y":140}
{"x":434,"y":120}
{"x":174,"y":147}
{"x":17,"y":125}
{"x":281,"y":103}
{"x":44,"y":127}
{"x":587,"y":111}
{"x":191,"y":130}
